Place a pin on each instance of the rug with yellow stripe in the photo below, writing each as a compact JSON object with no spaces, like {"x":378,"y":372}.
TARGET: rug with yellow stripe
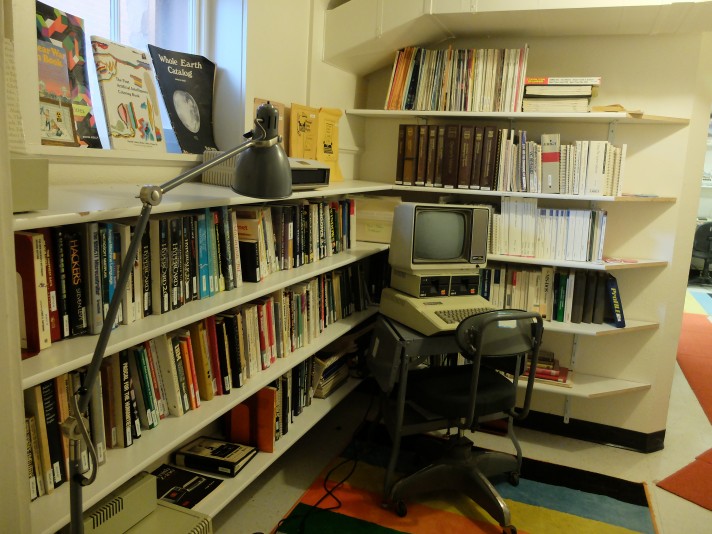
{"x":551,"y":499}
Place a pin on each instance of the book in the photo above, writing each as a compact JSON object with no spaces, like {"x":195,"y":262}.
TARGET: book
{"x":421,"y":163}
{"x":34,"y":407}
{"x":32,"y":299}
{"x":253,"y":421}
{"x":29,"y":420}
{"x":558,"y":90}
{"x":56,"y":113}
{"x":187,"y":84}
{"x":250,"y":257}
{"x":451,"y":155}
{"x":410,"y":154}
{"x":613,"y":308}
{"x":562,"y":80}
{"x":558,"y":104}
{"x":66,"y":30}
{"x":129,"y":96}
{"x":182,"y":487}
{"x":550,"y":154}
{"x":214,"y":455}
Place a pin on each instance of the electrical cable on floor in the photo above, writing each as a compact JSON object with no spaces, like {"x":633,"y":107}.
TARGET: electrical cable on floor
{"x":329,"y":492}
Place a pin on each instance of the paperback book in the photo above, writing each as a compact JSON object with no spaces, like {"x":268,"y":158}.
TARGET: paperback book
{"x":186,"y":82}
{"x":215,"y":456}
{"x":66,"y":32}
{"x":129,"y":95}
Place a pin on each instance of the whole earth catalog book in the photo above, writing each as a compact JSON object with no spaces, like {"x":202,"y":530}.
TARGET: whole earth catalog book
{"x":129,"y":94}
{"x":186,"y":82}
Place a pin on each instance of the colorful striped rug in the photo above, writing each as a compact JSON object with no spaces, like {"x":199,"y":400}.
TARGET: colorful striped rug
{"x":550,"y":499}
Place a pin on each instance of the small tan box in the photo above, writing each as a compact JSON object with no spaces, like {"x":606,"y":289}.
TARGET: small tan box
{"x":374,"y":218}
{"x":30,"y":184}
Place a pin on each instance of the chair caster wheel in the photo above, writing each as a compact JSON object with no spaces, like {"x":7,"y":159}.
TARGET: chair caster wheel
{"x":400,"y":508}
{"x":511,"y":529}
{"x":514,"y":478}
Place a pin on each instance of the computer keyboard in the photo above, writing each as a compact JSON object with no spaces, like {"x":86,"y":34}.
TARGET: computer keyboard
{"x":431,"y":315}
{"x":456,"y":316}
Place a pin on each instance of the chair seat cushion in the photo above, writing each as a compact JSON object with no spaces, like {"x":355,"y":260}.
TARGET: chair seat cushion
{"x":446,"y":390}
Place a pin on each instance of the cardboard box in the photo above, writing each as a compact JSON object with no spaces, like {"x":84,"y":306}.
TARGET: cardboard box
{"x":374,"y":218}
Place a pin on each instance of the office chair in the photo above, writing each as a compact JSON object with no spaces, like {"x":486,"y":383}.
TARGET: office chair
{"x":462,"y":397}
{"x":702,"y":249}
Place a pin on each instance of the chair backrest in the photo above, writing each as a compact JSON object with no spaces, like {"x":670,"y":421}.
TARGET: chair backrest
{"x":702,"y":243}
{"x":502,"y":333}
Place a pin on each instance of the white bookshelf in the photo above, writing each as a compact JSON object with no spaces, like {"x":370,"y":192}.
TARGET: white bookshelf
{"x":49,"y":513}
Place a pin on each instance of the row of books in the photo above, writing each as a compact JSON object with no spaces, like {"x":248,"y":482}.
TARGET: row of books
{"x":466,"y":156}
{"x":557,"y":294}
{"x":484,"y":79}
{"x":521,"y":228}
{"x":68,"y":274}
{"x":176,"y":372}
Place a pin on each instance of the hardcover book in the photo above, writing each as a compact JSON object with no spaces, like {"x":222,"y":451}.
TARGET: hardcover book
{"x":129,"y":96}
{"x":56,"y":114}
{"x":65,"y":30}
{"x":186,"y":82}
{"x":215,"y":455}
{"x":33,"y":300}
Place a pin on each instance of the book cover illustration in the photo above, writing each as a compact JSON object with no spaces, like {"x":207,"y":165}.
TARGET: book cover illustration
{"x":66,"y":31}
{"x":182,"y":487}
{"x":186,"y":82}
{"x":56,"y":114}
{"x":129,"y":94}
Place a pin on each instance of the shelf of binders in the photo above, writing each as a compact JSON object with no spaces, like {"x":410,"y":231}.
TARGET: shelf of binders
{"x":589,"y":386}
{"x":69,"y":204}
{"x":310,"y":416}
{"x":619,"y":117}
{"x":50,"y":512}
{"x":642,"y":198}
{"x":70,"y":354}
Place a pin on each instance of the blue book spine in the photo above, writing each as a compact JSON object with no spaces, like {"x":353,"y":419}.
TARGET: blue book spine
{"x":210,"y":243}
{"x":203,"y":264}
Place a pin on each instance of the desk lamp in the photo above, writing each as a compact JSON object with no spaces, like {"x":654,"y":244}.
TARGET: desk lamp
{"x":262,"y":171}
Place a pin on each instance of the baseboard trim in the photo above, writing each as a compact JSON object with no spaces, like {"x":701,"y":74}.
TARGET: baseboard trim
{"x":594,"y":432}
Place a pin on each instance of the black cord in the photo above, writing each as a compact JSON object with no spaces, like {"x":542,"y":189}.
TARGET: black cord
{"x":329,"y":492}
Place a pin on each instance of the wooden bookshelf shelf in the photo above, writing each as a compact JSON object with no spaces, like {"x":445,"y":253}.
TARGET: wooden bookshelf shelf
{"x":593,"y":266}
{"x":618,"y":117}
{"x":590,"y":386}
{"x":69,"y":354}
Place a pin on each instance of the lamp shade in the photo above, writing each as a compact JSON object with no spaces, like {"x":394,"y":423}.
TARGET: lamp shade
{"x":263,"y":171}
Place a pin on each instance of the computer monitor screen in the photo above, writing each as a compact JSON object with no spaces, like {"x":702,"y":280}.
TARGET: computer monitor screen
{"x":438,"y":237}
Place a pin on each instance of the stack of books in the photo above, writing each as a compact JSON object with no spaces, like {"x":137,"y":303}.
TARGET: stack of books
{"x":559,"y":94}
{"x":548,"y":370}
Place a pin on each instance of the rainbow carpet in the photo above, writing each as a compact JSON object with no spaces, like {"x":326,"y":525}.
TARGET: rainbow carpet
{"x":549,"y":499}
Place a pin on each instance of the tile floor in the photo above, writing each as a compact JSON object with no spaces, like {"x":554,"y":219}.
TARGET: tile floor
{"x":689,"y":433}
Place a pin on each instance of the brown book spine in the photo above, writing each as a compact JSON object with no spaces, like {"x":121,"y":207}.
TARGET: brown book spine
{"x":451,"y":155}
{"x":432,"y":149}
{"x":467,"y":145}
{"x":439,"y":151}
{"x":400,"y":154}
{"x":410,"y":154}
{"x":489,"y":158}
{"x":422,"y":159}
{"x":477,"y":157}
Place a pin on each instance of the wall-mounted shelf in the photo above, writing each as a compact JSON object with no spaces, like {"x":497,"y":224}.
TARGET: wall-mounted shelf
{"x":618,"y":117}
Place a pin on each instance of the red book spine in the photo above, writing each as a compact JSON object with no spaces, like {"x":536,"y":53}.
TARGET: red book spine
{"x":213,"y":346}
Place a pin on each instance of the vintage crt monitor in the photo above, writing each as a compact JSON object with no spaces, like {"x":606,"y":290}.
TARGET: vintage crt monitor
{"x":438,"y":249}
{"x":435,"y":255}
